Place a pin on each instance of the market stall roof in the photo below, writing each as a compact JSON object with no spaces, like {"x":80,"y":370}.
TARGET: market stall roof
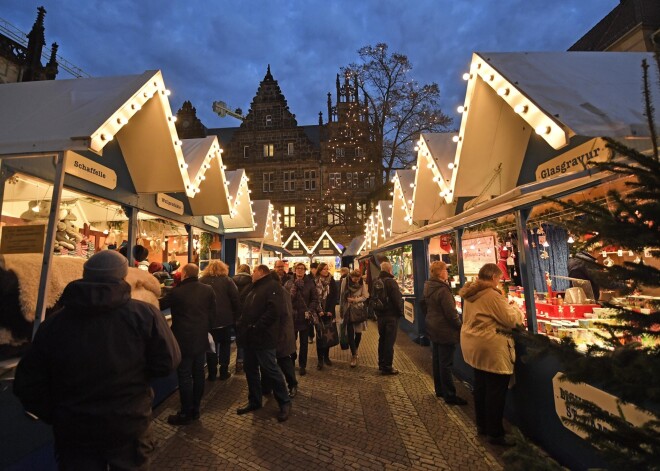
{"x":558,"y":95}
{"x":434,"y":169}
{"x":355,"y":247}
{"x":522,"y":196}
{"x":240,"y":217}
{"x":264,"y":229}
{"x":294,"y":244}
{"x":404,"y":183}
{"x":206,"y":171}
{"x":83,"y":114}
{"x":370,"y":231}
{"x":321,"y":248}
{"x":384,"y":227}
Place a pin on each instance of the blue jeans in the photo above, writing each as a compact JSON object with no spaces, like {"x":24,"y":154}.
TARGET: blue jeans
{"x":191,"y":383}
{"x":264,"y":361}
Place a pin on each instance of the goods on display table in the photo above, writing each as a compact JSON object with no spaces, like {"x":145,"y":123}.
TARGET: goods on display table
{"x":401,"y":259}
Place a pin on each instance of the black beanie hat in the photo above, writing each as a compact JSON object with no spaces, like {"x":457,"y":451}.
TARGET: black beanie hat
{"x":106,"y":265}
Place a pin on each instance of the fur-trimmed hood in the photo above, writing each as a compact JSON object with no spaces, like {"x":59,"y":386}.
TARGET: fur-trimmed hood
{"x":473,"y":290}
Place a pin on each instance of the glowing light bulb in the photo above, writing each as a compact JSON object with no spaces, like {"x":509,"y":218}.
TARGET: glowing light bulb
{"x":541,"y":130}
{"x":521,"y":109}
{"x":503,"y":91}
{"x":456,"y":138}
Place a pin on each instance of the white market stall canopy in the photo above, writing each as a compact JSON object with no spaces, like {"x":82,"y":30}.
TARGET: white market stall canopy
{"x":240,"y":217}
{"x":384,"y":226}
{"x":434,"y":169}
{"x":295,"y":245}
{"x":404,"y":186}
{"x":266,"y":227}
{"x":558,"y":95}
{"x":325,"y":245}
{"x":85,"y":114}
{"x":206,"y":171}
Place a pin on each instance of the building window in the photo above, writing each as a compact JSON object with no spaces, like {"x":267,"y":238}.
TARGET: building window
{"x":269,"y":120}
{"x":246,"y":150}
{"x":326,"y":244}
{"x":352,"y":180}
{"x":296,"y":244}
{"x":358,"y":152}
{"x":269,"y":182}
{"x":289,"y":180}
{"x":335,"y":180}
{"x":289,"y":148}
{"x":336,"y":213}
{"x":310,"y":216}
{"x":369,"y":181}
{"x":289,"y":216}
{"x":269,"y":150}
{"x":361,"y":210}
{"x":340,"y":152}
{"x":310,"y":180}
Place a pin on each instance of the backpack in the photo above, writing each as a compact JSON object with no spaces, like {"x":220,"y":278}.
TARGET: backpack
{"x":378,"y":299}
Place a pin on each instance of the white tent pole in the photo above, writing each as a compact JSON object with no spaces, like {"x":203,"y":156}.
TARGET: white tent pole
{"x":53,"y":217}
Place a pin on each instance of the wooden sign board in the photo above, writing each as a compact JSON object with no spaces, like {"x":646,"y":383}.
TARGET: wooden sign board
{"x":23,"y":239}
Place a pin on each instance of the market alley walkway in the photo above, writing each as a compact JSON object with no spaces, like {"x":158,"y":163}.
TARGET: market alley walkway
{"x":342,"y":418}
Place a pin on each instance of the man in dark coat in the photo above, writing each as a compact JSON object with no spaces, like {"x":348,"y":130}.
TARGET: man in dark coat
{"x":388,"y":320}
{"x":258,"y":333}
{"x":443,"y":327}
{"x":87,"y":371}
{"x":193,"y":307}
{"x":286,"y":344}
{"x":280,"y":269}
{"x":243,"y":281}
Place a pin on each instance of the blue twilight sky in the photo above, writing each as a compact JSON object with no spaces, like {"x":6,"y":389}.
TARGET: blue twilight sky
{"x":218,"y":49}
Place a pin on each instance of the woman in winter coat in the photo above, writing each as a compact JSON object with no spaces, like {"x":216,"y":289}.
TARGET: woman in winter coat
{"x":328,"y":294}
{"x":489,"y":352}
{"x":353,"y":291}
{"x":243,"y":281}
{"x":227,"y":311}
{"x":443,"y":327}
{"x":305,"y":302}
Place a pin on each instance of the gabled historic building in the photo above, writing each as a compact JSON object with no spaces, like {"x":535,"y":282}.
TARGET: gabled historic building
{"x":20,"y":63}
{"x":318,"y":177}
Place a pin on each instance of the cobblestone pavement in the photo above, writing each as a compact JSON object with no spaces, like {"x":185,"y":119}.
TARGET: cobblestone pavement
{"x":342,"y":418}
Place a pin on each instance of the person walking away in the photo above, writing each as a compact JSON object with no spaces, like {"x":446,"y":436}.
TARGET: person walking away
{"x":387,"y":302}
{"x":490,"y":353}
{"x":193,"y":308}
{"x":243,"y":281}
{"x":227,"y":307}
{"x":286,"y":343}
{"x":258,"y":333}
{"x":88,"y":369}
{"x":443,"y":327}
{"x":305,"y":302}
{"x":353,"y":291}
{"x":328,"y":295}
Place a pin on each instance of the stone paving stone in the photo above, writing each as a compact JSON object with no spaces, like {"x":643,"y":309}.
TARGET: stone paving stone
{"x":342,"y":418}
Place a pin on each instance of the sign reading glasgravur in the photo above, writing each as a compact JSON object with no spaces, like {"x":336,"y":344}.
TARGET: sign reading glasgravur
{"x":23,"y":239}
{"x":581,"y":392}
{"x":574,"y":160}
{"x":168,"y":203}
{"x":326,"y":252}
{"x":87,"y":169}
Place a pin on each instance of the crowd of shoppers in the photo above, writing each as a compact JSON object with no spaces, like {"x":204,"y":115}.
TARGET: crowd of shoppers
{"x":269,"y":312}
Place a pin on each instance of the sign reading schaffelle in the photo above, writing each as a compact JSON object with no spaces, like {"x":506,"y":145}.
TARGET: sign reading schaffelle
{"x":575,"y":160}
{"x":87,"y":169}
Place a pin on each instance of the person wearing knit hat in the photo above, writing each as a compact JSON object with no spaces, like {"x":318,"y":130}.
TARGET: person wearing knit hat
{"x":155,"y":267}
{"x":88,"y":370}
{"x":107,"y":265}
